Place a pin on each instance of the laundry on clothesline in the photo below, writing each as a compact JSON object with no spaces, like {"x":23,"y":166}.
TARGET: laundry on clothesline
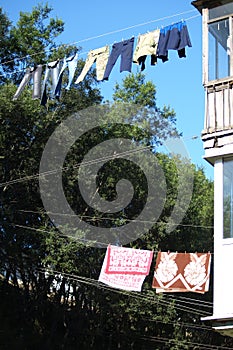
{"x":125,"y":268}
{"x":31,"y":73}
{"x":173,"y":37}
{"x":155,"y":44}
{"x":182,"y":272}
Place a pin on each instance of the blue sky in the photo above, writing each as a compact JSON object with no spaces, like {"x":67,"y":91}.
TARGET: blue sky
{"x":178,"y":81}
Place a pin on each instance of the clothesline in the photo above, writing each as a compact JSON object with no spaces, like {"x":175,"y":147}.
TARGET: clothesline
{"x":106,"y":34}
{"x":88,"y":280}
{"x":74,"y":43}
{"x":126,"y":268}
{"x":155,"y":44}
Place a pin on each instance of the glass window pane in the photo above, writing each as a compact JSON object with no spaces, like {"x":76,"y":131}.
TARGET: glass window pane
{"x":219,"y":50}
{"x":221,"y":11}
{"x":228,"y":199}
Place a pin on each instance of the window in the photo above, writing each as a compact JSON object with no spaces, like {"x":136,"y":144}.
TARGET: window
{"x":219,"y":50}
{"x":228,"y":199}
{"x":220,"y":62}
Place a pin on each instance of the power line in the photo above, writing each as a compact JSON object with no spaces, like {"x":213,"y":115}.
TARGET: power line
{"x":139,"y":296}
{"x":168,"y":341}
{"x":64,"y":235}
{"x":86,"y":163}
{"x":180,"y":299}
{"x":59,"y":234}
{"x":208,"y":303}
{"x":102,"y":218}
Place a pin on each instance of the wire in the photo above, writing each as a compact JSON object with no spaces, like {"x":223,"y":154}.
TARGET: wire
{"x":105,"y":34}
{"x":139,"y":296}
{"x":92,"y":281}
{"x":94,"y":161}
{"x":82,"y":239}
{"x":208,"y":303}
{"x":183,"y":324}
{"x":102,"y":218}
{"x":168,"y":341}
{"x":59,"y":234}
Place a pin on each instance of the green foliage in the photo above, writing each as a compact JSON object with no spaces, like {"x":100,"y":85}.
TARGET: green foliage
{"x":50,"y":294}
{"x":160,"y":122}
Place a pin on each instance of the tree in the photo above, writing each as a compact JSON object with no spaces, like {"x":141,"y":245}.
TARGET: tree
{"x":50,"y":296}
{"x":30,"y":42}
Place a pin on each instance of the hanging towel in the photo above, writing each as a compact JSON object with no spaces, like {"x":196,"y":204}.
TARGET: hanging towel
{"x":52,"y":70}
{"x":31,"y":73}
{"x":182,"y":272}
{"x":173,"y":37}
{"x":124,"y":269}
{"x":146,"y":45}
{"x":128,"y":260}
{"x":70,"y":63}
{"x":123,"y":49}
{"x":100,"y":56}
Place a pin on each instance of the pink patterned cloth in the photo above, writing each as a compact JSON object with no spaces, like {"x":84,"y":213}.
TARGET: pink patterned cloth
{"x":128,"y":261}
{"x":125,"y":268}
{"x":182,"y":272}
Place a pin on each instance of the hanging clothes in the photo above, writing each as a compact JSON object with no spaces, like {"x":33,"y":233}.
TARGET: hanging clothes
{"x":70,"y":63}
{"x":100,"y":56}
{"x":173,"y":37}
{"x":52,"y":70}
{"x":31,"y":73}
{"x":125,"y":268}
{"x":182,"y":272}
{"x":146,"y":45}
{"x":123,"y":49}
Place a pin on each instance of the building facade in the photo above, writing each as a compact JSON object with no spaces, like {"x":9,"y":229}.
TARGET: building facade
{"x":217,"y":137}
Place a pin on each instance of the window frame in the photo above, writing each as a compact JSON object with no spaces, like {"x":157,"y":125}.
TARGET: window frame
{"x":228,"y":236}
{"x":228,"y":17}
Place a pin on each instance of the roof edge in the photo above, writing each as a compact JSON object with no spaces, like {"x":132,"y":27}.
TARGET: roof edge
{"x":201,"y":4}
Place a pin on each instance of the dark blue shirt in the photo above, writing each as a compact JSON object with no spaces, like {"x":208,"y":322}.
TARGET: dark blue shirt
{"x":173,"y":37}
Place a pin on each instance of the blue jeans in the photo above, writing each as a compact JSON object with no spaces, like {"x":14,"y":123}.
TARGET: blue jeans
{"x":53,"y":70}
{"x":31,"y":73}
{"x":123,"y":49}
{"x":71,"y":63}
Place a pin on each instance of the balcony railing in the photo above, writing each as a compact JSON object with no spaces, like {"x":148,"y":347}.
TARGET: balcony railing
{"x":218,"y":105}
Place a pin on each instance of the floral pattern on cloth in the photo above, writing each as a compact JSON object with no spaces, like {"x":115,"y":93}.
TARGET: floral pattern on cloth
{"x":118,"y":277}
{"x":128,"y":260}
{"x":182,"y":272}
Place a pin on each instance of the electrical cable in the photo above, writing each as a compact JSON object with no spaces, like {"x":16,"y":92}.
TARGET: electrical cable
{"x":208,"y":303}
{"x":168,"y":341}
{"x":86,"y":163}
{"x":102,"y":218}
{"x":138,"y":296}
{"x":68,"y":235}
